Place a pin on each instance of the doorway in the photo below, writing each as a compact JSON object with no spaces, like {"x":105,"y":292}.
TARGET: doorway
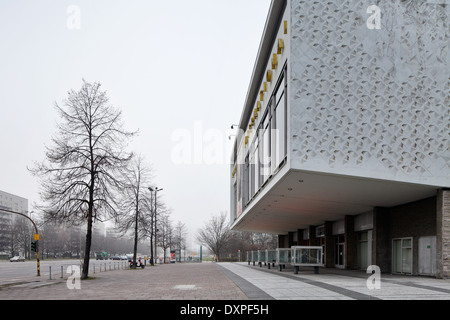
{"x":402,"y":253}
{"x":364,"y":249}
{"x":339,"y":255}
{"x":427,"y":256}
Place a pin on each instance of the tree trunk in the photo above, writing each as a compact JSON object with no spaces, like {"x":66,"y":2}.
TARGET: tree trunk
{"x":135,"y":239}
{"x":87,"y":251}
{"x":152,"y":263}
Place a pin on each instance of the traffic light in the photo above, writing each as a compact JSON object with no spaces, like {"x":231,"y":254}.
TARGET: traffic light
{"x":34,"y":246}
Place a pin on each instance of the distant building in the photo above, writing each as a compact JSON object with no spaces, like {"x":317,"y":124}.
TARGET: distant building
{"x":13,"y":203}
{"x":345,"y":134}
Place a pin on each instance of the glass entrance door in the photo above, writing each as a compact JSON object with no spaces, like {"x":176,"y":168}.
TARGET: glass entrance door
{"x":339,"y":252}
{"x":402,"y":255}
{"x":363,"y":250}
{"x":340,"y":255}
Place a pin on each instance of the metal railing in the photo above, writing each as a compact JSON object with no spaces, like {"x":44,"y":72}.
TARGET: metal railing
{"x":296,"y":256}
{"x":60,"y":271}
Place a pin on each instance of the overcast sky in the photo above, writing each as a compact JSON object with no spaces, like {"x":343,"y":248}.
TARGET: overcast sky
{"x":174,"y":68}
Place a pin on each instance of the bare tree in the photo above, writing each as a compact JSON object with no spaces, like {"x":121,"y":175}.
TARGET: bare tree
{"x":165,"y":233}
{"x":242,"y":241}
{"x":21,"y":236}
{"x":157,"y":208}
{"x":215,"y":234}
{"x":179,"y":237}
{"x":136,"y":202}
{"x":83,"y":168}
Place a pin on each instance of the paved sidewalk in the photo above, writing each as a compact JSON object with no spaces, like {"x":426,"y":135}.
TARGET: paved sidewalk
{"x":204,"y":281}
{"x":229,"y":281}
{"x":335,"y":284}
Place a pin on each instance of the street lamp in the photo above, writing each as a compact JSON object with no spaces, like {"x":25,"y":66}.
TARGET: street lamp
{"x":156,"y":190}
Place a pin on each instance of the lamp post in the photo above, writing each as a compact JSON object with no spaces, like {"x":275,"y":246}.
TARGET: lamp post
{"x":36,"y":238}
{"x":155,"y":190}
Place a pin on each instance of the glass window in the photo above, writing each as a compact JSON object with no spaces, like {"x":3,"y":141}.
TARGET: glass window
{"x":402,"y":255}
{"x":252,"y":175}
{"x":320,"y":231}
{"x":256,"y":165}
{"x":260,"y":157}
{"x":269,"y":148}
{"x":245,"y":192}
{"x":397,"y":257}
{"x":238,"y":190}
{"x":266,"y":160}
{"x":406,"y":243}
{"x":280,"y":127}
{"x":233,"y":201}
{"x":273,"y":139}
{"x":280,"y":91}
{"x":407,"y":260}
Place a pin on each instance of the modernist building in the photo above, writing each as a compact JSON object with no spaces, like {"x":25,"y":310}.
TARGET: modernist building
{"x":13,"y":203}
{"x":345,"y":134}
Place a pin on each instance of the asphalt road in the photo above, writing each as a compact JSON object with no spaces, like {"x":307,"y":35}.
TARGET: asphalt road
{"x":17,"y":271}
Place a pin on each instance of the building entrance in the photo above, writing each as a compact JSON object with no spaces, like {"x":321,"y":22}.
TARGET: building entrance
{"x":364,"y":250}
{"x":427,"y":256}
{"x":402,"y":255}
{"x":339,"y":252}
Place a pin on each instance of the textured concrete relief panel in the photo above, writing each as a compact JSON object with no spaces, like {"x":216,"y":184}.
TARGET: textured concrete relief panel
{"x":371,"y":102}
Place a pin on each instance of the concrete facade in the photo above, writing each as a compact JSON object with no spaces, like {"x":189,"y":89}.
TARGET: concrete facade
{"x":367,"y":163}
{"x":365,"y":102}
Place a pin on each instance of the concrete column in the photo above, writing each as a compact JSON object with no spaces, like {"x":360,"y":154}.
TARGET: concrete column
{"x":351,"y":244}
{"x":291,"y":239}
{"x":329,"y":245}
{"x":443,"y":234}
{"x":283,"y":241}
{"x":313,"y":240}
{"x":300,"y":241}
{"x":381,"y":246}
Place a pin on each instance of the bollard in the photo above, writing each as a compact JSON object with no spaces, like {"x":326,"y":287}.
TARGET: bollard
{"x":50,"y":272}
{"x":62,"y":272}
{"x":94,"y":268}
